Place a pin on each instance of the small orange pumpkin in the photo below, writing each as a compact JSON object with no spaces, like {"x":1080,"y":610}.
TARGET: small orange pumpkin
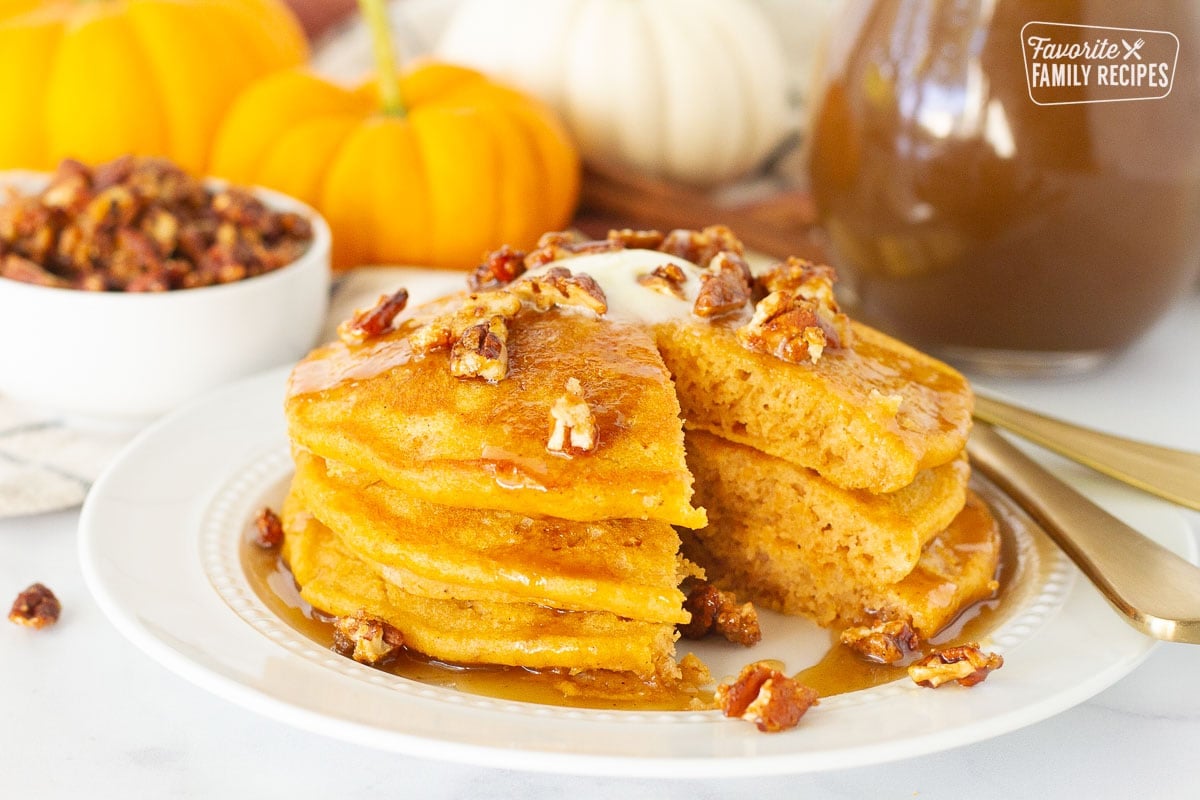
{"x":465,"y":165}
{"x":98,"y":79}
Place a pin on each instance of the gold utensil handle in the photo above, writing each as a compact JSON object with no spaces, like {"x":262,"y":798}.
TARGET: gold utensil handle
{"x":1155,"y":590}
{"x":1171,"y":474}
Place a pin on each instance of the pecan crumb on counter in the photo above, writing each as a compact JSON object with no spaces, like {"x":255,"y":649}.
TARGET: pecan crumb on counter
{"x":715,"y":611}
{"x":373,"y":322}
{"x":571,"y":414}
{"x":36,"y":608}
{"x":886,"y":642}
{"x":966,"y":663}
{"x":765,"y":696}
{"x":269,"y":529}
{"x":364,"y":638}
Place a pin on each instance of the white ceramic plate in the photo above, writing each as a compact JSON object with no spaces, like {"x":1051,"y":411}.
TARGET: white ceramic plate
{"x":159,"y":546}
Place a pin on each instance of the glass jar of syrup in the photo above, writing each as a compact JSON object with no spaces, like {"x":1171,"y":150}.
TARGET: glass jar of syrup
{"x":1013,"y":185}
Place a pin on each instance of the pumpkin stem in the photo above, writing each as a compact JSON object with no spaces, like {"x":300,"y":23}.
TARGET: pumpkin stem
{"x":375,"y":14}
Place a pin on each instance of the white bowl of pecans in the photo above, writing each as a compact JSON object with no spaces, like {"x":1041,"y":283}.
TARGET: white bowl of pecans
{"x":128,"y":288}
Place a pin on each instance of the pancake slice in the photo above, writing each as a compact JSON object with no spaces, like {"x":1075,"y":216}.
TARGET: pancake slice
{"x":956,"y":568}
{"x":626,"y":567}
{"x":469,"y":632}
{"x":870,"y":416}
{"x":871,"y":538}
{"x":468,"y":443}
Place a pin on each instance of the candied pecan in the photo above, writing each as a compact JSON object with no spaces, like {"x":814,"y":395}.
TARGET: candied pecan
{"x":269,"y":528}
{"x":375,"y":321}
{"x":701,"y":246}
{"x":789,"y":327}
{"x":721,"y":292}
{"x":885,"y":642}
{"x":567,"y":244}
{"x":716,"y":611}
{"x":481,"y":351}
{"x":558,"y":287}
{"x":445,"y":330}
{"x":36,"y":607}
{"x":366,"y":639}
{"x":571,"y":413}
{"x":499,"y":268}
{"x":765,"y":696}
{"x":636,"y":240}
{"x":22,"y":269}
{"x":965,"y":663}
{"x":666,"y":278}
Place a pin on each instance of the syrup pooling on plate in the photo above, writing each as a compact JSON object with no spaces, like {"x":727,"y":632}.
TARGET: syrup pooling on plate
{"x":1027,"y":560}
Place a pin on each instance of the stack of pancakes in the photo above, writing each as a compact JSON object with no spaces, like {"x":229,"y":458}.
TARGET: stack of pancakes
{"x":433,"y":503}
{"x":834,"y":488}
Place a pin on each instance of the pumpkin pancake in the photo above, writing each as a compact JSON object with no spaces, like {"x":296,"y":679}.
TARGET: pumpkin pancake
{"x":873,"y":538}
{"x":627,"y":567}
{"x":869,"y":416}
{"x":956,"y":568}
{"x":406,"y":419}
{"x":529,"y":635}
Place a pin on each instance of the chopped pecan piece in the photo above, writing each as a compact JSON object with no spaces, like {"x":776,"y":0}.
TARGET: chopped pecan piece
{"x":269,"y":528}
{"x":445,"y":330}
{"x":715,"y":611}
{"x":666,"y":278}
{"x":636,"y":240}
{"x":884,"y":643}
{"x":789,"y":327}
{"x":700,"y":247}
{"x":721,"y":292}
{"x":765,"y":696}
{"x":36,"y":608}
{"x":373,"y":322}
{"x":566,"y":244}
{"x":364,"y":638}
{"x":571,"y":414}
{"x":966,"y":663}
{"x":499,"y":268}
{"x":558,"y":287}
{"x":20,"y":268}
{"x":481,"y":351}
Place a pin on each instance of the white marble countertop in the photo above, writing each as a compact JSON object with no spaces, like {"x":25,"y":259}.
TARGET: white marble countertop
{"x":85,"y":714}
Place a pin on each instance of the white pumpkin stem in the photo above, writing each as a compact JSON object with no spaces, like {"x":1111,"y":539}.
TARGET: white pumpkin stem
{"x":375,"y":14}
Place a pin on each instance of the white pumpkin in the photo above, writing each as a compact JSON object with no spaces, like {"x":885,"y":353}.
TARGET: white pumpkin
{"x":693,"y":90}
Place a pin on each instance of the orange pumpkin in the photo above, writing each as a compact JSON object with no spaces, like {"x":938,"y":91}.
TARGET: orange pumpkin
{"x":94,"y":80}
{"x":466,"y":165}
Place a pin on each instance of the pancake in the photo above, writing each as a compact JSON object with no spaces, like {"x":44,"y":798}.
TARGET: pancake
{"x":872,"y":538}
{"x":334,"y":580}
{"x":870,"y":416}
{"x":627,"y":567}
{"x":475,"y":444}
{"x":956,"y":568}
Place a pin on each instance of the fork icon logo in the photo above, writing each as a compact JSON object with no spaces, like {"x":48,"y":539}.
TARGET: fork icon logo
{"x":1132,"y":49}
{"x":1067,"y":63}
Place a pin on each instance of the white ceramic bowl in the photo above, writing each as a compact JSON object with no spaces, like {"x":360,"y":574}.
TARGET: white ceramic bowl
{"x":120,"y":358}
